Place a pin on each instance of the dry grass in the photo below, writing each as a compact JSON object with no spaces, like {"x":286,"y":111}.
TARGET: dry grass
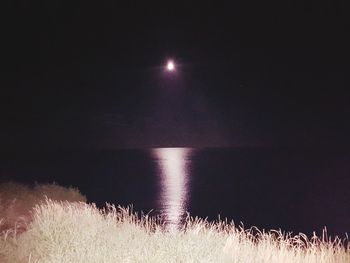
{"x":78,"y":232}
{"x":17,"y":200}
{"x":62,"y":232}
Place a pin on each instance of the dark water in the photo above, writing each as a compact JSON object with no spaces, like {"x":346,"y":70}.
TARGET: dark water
{"x":298,"y":190}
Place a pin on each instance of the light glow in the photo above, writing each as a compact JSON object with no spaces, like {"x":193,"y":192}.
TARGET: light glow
{"x":173,"y":170}
{"x":170,"y":65}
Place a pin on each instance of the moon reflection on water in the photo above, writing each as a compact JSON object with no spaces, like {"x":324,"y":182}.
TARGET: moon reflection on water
{"x":173,"y":166}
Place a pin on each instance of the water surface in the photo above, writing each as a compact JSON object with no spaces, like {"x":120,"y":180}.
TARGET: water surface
{"x":298,"y":190}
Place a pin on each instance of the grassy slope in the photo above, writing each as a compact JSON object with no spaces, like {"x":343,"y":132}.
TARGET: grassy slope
{"x":78,"y":232}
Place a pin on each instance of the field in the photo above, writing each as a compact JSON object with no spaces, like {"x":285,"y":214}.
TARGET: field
{"x":51,"y":224}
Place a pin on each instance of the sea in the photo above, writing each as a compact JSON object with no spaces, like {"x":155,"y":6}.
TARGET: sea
{"x":289,"y":189}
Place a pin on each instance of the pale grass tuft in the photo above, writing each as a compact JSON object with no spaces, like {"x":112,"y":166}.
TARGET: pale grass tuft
{"x":64,"y":232}
{"x":17,"y":200}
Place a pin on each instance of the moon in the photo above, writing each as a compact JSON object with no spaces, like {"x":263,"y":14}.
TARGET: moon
{"x":170,"y":66}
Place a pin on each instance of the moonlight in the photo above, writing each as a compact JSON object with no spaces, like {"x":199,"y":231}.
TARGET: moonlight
{"x":170,"y":66}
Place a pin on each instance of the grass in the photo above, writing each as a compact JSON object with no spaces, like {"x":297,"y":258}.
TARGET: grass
{"x":17,"y":201}
{"x":66,"y":231}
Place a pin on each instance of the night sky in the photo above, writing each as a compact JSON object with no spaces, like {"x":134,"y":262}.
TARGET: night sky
{"x":90,"y":74}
